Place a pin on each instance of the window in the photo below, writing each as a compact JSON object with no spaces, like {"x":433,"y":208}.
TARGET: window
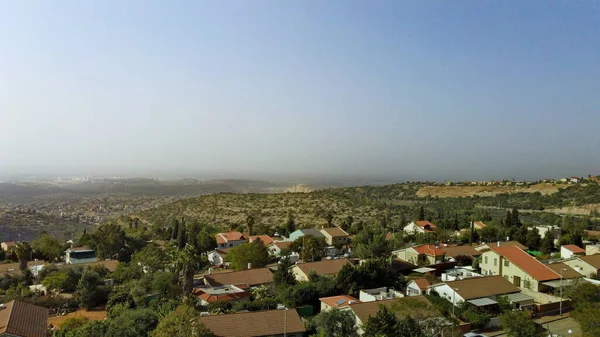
{"x":495,"y":262}
{"x":506,"y":263}
{"x":485,"y":260}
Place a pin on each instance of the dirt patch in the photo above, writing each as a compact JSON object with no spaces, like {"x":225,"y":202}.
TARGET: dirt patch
{"x":94,"y":315}
{"x":484,"y":191}
{"x":575,"y":210}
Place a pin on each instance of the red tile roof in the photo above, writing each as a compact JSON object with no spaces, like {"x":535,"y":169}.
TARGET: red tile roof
{"x":426,"y":225}
{"x":229,"y":236}
{"x":255,"y":323}
{"x":267,"y":240}
{"x":23,"y":319}
{"x":282,"y":244}
{"x":336,"y":301}
{"x":429,"y":250}
{"x":526,"y":262}
{"x":479,"y":224}
{"x":422,"y":283}
{"x":225,"y":297}
{"x":575,"y":249}
{"x":251,"y":277}
{"x":323,"y":267}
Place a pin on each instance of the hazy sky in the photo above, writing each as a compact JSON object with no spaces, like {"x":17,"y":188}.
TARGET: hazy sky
{"x":396,"y":89}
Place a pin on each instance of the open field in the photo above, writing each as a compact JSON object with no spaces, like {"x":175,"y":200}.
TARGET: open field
{"x":94,"y":315}
{"x":485,"y":191}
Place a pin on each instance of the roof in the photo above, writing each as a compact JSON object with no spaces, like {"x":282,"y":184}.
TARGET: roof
{"x":429,"y":250}
{"x":311,"y":231}
{"x":282,"y":244}
{"x":256,"y":323}
{"x":424,"y":270}
{"x":15,"y":267}
{"x":401,"y":265}
{"x":425,"y":225}
{"x":575,"y":249}
{"x":501,"y":243}
{"x":364,"y":310}
{"x":422,"y":283}
{"x":461,"y":250}
{"x":526,"y":262}
{"x":80,"y":249}
{"x":592,"y":260}
{"x":519,"y":297}
{"x":224,"y":295}
{"x":478,"y":287}
{"x":481,"y":302}
{"x":10,"y":243}
{"x":324,"y":267}
{"x":479,"y":224}
{"x":335,"y":232}
{"x":23,"y":319}
{"x":111,"y":265}
{"x":338,"y":301}
{"x":251,"y":277}
{"x":568,"y":273}
{"x":229,"y":236}
{"x":267,"y":240}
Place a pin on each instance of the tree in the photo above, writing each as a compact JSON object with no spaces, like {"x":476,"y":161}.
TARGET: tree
{"x":250,"y":223}
{"x":55,"y":281}
{"x":151,"y":258}
{"x":329,"y":219}
{"x":313,"y":249}
{"x":464,"y":260}
{"x":175,"y":231}
{"x":132,"y":323}
{"x":48,"y":247}
{"x":508,"y":220}
{"x":383,"y":324}
{"x":346,"y":279}
{"x":89,"y":289}
{"x":514,"y":218}
{"x":421,"y":213}
{"x":185,"y":262}
{"x":371,"y":244}
{"x":587,"y":317}
{"x":205,"y":242}
{"x":182,"y":235}
{"x":534,"y":239}
{"x":335,"y":323}
{"x":110,"y":241}
{"x":347,"y":223}
{"x":518,"y":324}
{"x":23,"y":251}
{"x":290,"y":225}
{"x":283,"y":277}
{"x":520,"y":234}
{"x":547,"y":243}
{"x":182,"y":322}
{"x":254,"y":254}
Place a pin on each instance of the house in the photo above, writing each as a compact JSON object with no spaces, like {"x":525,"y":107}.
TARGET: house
{"x":77,"y":255}
{"x":565,"y":271}
{"x":229,"y":293}
{"x":336,"y":302}
{"x":20,"y":319}
{"x":417,"y":287}
{"x":229,"y":239}
{"x":302,"y":271}
{"x":478,"y":225}
{"x":15,"y":268}
{"x":419,"y":226}
{"x":520,"y":268}
{"x":592,"y":249}
{"x":295,"y":235}
{"x":588,"y":265}
{"x":480,"y":292}
{"x":461,"y":251}
{"x":110,"y":265}
{"x":421,"y":255}
{"x":556,"y":232}
{"x":276,"y":323}
{"x":277,"y":247}
{"x":378,"y":294}
{"x":8,"y":246}
{"x":335,"y":236}
{"x":217,"y":257}
{"x":267,"y":240}
{"x":251,"y":277}
{"x":569,"y":251}
{"x":574,"y":180}
{"x":486,"y":246}
{"x":459,"y":273}
{"x":417,"y":307}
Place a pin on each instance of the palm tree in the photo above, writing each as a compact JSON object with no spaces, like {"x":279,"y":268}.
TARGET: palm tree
{"x":185,"y":261}
{"x":23,"y":251}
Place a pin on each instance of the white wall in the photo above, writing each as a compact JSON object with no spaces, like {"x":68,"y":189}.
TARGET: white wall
{"x":412,"y":289}
{"x":565,"y":253}
{"x":447,"y":293}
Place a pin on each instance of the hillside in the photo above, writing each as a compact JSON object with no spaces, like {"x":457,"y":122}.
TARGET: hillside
{"x":486,"y":191}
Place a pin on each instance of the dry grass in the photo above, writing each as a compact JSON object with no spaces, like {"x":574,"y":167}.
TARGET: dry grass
{"x":484,"y":191}
{"x":98,"y":315}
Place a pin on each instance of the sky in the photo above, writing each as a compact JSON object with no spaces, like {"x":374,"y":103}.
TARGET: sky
{"x":397,"y":90}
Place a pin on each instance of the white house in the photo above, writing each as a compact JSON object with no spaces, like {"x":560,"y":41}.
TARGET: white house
{"x":569,"y":251}
{"x":378,"y":294}
{"x":217,"y":256}
{"x":419,"y":226}
{"x":481,"y":291}
{"x":229,"y":239}
{"x":417,"y":287}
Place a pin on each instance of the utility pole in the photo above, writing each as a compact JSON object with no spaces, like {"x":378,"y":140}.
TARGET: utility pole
{"x":561,"y":291}
{"x":454,"y":300}
{"x":285,"y":323}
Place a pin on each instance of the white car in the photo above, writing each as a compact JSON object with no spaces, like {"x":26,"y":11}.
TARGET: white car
{"x":474,"y":334}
